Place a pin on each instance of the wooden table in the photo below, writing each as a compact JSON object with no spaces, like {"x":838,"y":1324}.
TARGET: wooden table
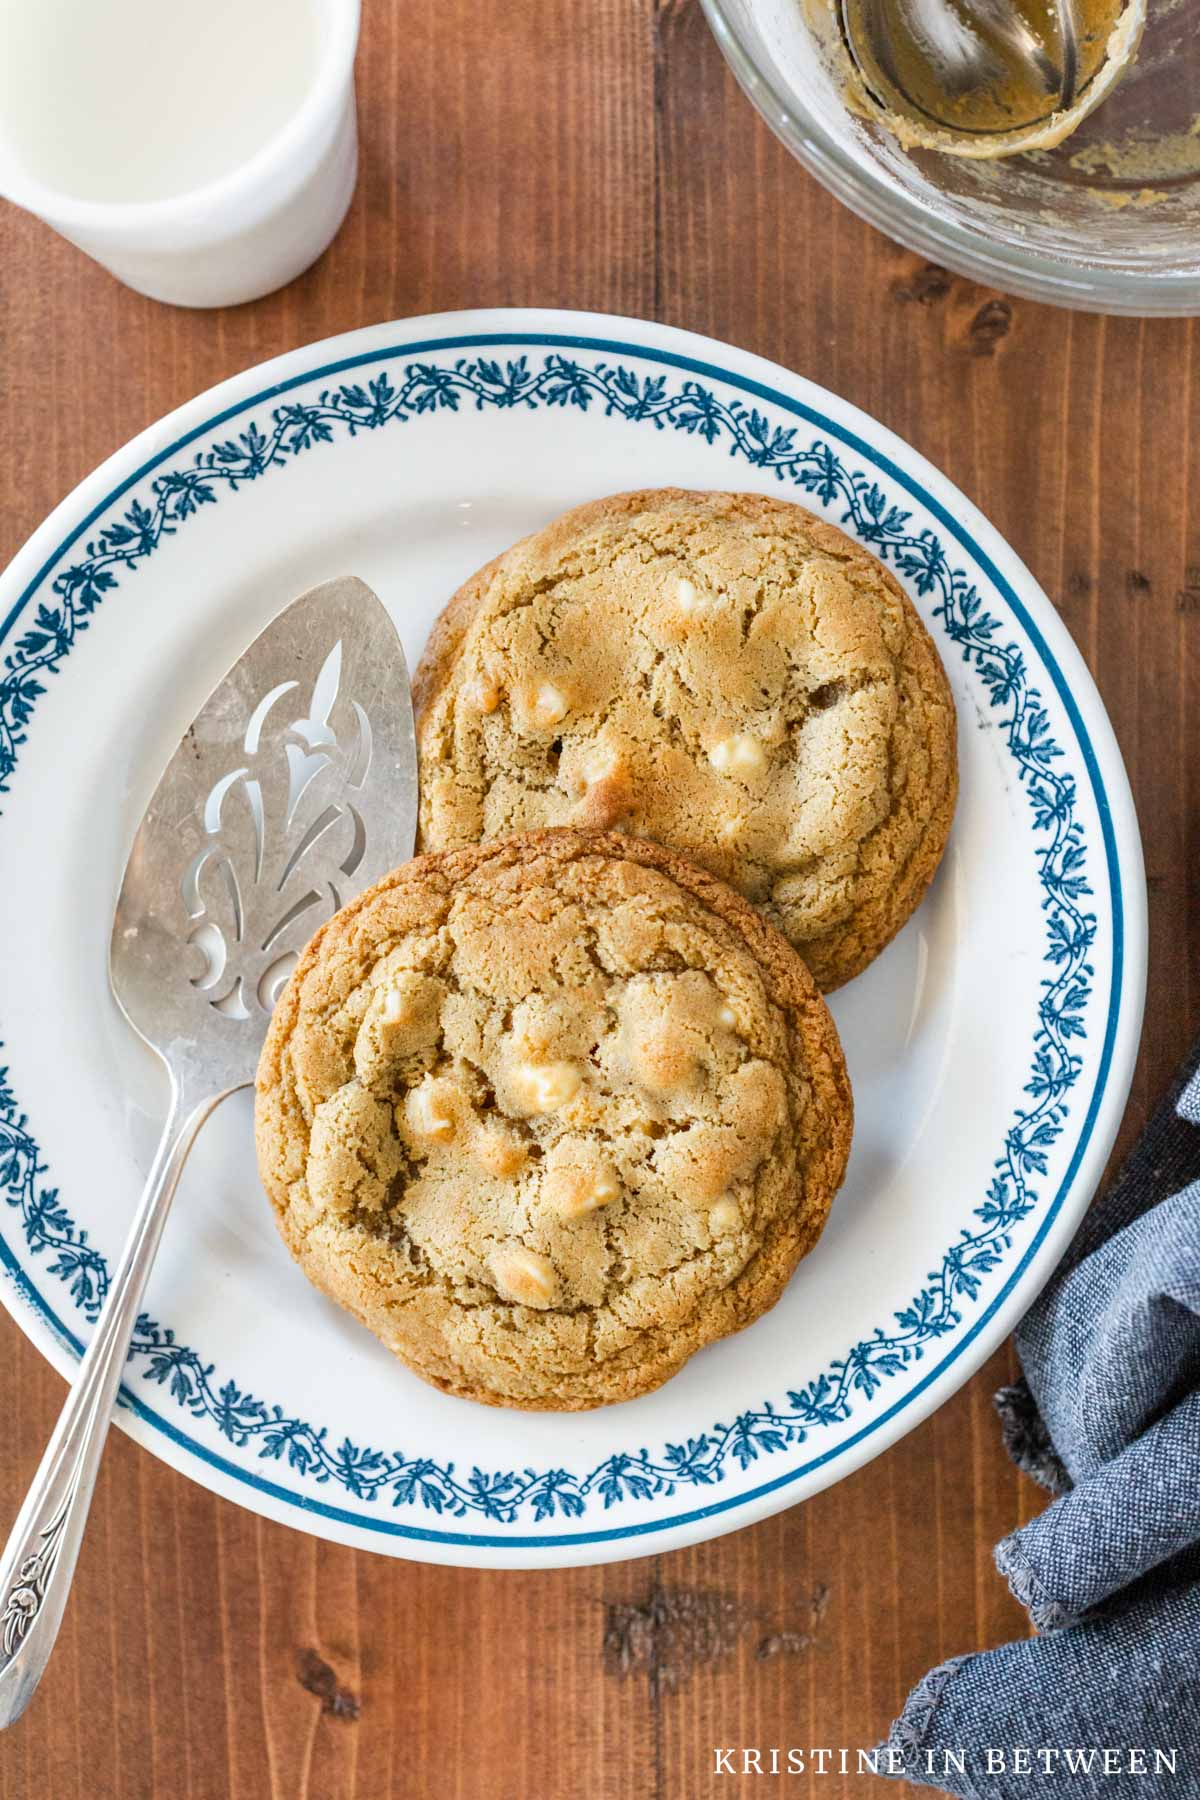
{"x":595,"y":153}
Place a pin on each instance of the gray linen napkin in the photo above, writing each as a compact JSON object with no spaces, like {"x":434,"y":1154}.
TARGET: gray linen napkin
{"x":1108,"y":1418}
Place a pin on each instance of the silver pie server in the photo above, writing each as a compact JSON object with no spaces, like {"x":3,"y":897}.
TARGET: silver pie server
{"x":294,"y":788}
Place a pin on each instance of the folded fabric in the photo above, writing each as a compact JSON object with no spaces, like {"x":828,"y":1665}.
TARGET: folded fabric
{"x":1106,"y":1700}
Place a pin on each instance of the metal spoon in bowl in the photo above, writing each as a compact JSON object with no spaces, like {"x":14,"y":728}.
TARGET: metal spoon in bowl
{"x":294,"y":788}
{"x":972,"y":67}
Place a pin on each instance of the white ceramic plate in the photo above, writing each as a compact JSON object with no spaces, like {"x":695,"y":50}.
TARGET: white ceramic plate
{"x":990,"y":1047}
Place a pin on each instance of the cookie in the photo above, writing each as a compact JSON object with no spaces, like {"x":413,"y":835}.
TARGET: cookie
{"x":550,"y":1114}
{"x":723,"y":673}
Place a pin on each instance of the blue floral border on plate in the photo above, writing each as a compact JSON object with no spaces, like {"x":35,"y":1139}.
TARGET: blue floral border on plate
{"x":814,"y":469}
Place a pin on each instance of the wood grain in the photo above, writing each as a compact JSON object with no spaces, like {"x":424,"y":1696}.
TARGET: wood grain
{"x":595,"y":153}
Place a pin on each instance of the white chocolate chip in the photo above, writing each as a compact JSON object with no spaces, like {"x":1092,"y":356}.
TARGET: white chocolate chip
{"x":574,"y":1192}
{"x":738,"y":751}
{"x":605,"y":1187}
{"x":686,"y":597}
{"x":430,"y":1107}
{"x":524,"y":1276}
{"x":725,"y":1217}
{"x":544,"y":1087}
{"x":481,"y":694}
{"x":498,"y":1152}
{"x":549,"y":704}
{"x":402,"y":1019}
{"x":598,"y":762}
{"x":727,"y":1016}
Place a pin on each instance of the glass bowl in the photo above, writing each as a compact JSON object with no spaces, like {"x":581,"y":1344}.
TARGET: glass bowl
{"x":1108,"y":221}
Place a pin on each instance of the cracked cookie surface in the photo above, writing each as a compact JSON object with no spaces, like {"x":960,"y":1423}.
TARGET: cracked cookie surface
{"x":724,"y":673}
{"x":550,"y":1114}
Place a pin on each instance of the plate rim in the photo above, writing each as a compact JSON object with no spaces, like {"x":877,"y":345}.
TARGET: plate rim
{"x":691,"y":352}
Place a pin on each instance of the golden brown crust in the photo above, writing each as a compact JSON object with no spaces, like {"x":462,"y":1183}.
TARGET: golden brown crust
{"x":449,"y":629}
{"x":562,"y":1252}
{"x":843,"y":817}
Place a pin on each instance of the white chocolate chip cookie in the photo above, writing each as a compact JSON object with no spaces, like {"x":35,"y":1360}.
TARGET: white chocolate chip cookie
{"x":723,"y":673}
{"x":550,"y":1114}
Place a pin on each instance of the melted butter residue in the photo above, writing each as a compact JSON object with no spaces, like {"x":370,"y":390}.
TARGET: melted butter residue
{"x":1143,"y":159}
{"x":1006,"y":113}
{"x":1116,"y":198}
{"x":956,"y":75}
